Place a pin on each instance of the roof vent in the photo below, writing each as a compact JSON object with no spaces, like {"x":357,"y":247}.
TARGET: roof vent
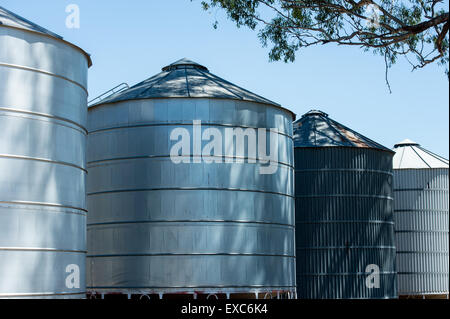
{"x":315,"y":113}
{"x":184,"y":64}
{"x":406,"y":142}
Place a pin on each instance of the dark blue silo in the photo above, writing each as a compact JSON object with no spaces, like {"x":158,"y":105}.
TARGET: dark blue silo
{"x":344,"y":212}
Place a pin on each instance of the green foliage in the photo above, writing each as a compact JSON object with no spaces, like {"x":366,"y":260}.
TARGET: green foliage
{"x":415,"y":29}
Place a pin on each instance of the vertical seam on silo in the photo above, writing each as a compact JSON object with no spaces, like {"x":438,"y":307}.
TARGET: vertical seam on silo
{"x":366,"y":139}
{"x":401,"y":158}
{"x":315,"y":133}
{"x":221,"y":85}
{"x":420,"y":157}
{"x":187,"y":82}
{"x":156,"y":82}
{"x":443,"y":160}
{"x":339,"y":133}
{"x":245,"y":91}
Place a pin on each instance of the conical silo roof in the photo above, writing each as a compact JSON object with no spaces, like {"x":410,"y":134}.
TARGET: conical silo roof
{"x":186,"y":79}
{"x":410,"y":155}
{"x":8,"y":18}
{"x":13,"y":20}
{"x":317,"y":129}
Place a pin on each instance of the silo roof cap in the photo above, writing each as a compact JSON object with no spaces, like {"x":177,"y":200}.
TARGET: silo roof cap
{"x":187,"y":79}
{"x":315,"y":113}
{"x":317,"y":129}
{"x":406,"y":142}
{"x":13,"y":20}
{"x":184,"y":63}
{"x":410,"y":155}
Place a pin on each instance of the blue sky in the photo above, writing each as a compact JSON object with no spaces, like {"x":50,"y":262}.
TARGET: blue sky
{"x":132,"y":40}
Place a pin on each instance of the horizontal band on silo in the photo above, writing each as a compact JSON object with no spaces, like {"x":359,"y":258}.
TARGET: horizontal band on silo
{"x":206,"y":124}
{"x":240,"y":158}
{"x":188,"y":189}
{"x":43,"y":294}
{"x":188,"y":254}
{"x":418,"y":189}
{"x":43,"y":160}
{"x":190,"y":221}
{"x":50,"y":250}
{"x":422,"y":252}
{"x":49,"y":116}
{"x":344,"y":195}
{"x":14,"y":66}
{"x":421,"y":231}
{"x":43,"y":204}
{"x":345,"y":247}
{"x":361,"y":170}
{"x":346,"y":221}
{"x":347,"y":273}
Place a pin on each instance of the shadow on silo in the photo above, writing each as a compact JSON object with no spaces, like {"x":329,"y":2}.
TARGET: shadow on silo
{"x":359,"y":226}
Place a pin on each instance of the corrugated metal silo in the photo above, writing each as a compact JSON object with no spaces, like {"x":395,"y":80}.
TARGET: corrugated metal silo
{"x":344,"y":212}
{"x":421,"y":220}
{"x":157,"y":227}
{"x":43,"y":110}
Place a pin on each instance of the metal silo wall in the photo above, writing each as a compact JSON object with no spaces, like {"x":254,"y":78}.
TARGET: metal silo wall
{"x":42,"y":166}
{"x":344,"y":222}
{"x":422,"y":226}
{"x":159,"y":227}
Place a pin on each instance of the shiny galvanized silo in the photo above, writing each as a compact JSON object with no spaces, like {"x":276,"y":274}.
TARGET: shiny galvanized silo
{"x":344,"y":212}
{"x":199,"y":228}
{"x":42,"y":162}
{"x":421,"y":221}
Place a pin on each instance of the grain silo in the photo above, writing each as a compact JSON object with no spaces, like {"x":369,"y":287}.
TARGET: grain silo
{"x":43,"y":111}
{"x":421,"y":221}
{"x":344,"y":212}
{"x":209,"y":223}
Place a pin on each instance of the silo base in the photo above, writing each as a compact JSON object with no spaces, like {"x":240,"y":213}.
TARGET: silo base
{"x":425,"y":296}
{"x":135,"y":294}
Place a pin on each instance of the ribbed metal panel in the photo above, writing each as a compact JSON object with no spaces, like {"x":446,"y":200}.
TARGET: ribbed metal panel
{"x":43,"y":110}
{"x":159,"y":227}
{"x":422,"y":226}
{"x":344,"y":222}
